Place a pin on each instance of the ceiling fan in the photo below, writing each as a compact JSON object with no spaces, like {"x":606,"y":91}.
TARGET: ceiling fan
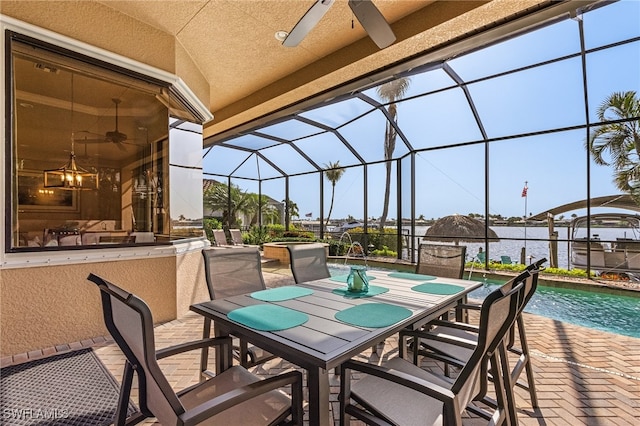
{"x":367,"y":13}
{"x":114,"y":136}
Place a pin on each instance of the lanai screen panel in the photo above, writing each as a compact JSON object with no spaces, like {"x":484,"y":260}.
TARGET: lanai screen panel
{"x":439,"y":119}
{"x":450,"y":181}
{"x":338,"y":113}
{"x":605,"y":79}
{"x":367,"y":136}
{"x":547,"y":43}
{"x":222,"y":160}
{"x":427,"y":81}
{"x":256,"y":168}
{"x":252,"y":142}
{"x":288,"y":159}
{"x":290,"y":130}
{"x":535,"y":99}
{"x":611,"y":24}
{"x":326,"y":148}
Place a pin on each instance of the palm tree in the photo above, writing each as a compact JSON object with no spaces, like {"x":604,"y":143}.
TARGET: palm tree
{"x":390,"y":92}
{"x":620,"y":140}
{"x":216,"y":198}
{"x":333,"y":174}
{"x":293,"y":209}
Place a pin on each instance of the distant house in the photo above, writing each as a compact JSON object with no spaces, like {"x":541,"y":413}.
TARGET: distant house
{"x":244,"y":218}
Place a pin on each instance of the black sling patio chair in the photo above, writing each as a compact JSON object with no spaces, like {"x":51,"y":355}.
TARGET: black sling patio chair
{"x":234,"y":396}
{"x":308,"y":262}
{"x":453,"y":342}
{"x":441,"y":260}
{"x":401,"y":393}
{"x":231,"y":272}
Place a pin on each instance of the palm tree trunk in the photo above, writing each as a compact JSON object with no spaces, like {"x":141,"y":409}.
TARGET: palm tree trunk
{"x":333,"y":190}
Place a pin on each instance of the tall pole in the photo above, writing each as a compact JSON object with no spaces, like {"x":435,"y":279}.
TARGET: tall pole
{"x":525,"y":194}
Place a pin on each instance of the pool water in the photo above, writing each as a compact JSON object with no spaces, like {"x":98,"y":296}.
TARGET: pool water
{"x":600,"y":311}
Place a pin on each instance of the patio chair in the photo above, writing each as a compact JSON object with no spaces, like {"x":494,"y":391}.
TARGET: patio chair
{"x":234,"y":396}
{"x":236,"y":237}
{"x":402,"y":393}
{"x":441,"y":260}
{"x":231,"y":272}
{"x":308,"y":262}
{"x":453,"y":342}
{"x":506,"y":260}
{"x":220,"y":238}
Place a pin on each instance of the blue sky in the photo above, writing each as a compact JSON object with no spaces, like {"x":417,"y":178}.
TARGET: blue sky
{"x":453,"y":180}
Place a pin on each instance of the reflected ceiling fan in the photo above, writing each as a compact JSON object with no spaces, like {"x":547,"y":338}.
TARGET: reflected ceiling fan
{"x":367,"y":13}
{"x":115,"y":136}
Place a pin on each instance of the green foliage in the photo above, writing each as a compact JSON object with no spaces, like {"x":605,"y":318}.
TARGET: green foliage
{"x":209,"y":224}
{"x":293,"y":239}
{"x":337,"y":248}
{"x":257,"y":235}
{"x":497,"y":266}
{"x":384,"y":251}
{"x":299,"y":234}
{"x":388,"y":238}
{"x":275,"y":230}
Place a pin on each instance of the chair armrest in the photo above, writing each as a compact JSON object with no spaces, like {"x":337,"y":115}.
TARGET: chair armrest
{"x":189,"y":346}
{"x":419,"y":385}
{"x":457,"y":325}
{"x":453,"y":340}
{"x":470,"y":306}
{"x":223,"y":402}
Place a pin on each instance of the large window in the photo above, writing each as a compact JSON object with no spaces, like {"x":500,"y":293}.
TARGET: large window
{"x":102,"y":138}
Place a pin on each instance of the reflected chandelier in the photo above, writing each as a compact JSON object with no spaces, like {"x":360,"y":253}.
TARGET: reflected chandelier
{"x":71,"y":176}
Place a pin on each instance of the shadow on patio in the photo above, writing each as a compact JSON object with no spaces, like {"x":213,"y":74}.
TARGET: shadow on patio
{"x":583,"y":376}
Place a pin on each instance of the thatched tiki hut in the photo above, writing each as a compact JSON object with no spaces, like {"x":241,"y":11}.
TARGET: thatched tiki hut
{"x":458,"y":228}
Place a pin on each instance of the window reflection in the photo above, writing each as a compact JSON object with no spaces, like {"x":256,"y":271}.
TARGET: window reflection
{"x":113,"y":125}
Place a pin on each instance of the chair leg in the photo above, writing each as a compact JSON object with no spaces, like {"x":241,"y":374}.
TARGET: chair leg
{"x":125,"y":394}
{"x":504,"y":377}
{"x":531,"y":384}
{"x":204,"y":355}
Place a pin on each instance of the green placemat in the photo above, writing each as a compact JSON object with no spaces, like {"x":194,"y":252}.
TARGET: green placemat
{"x":411,"y":276}
{"x":281,"y":293}
{"x":373,"y":315}
{"x":343,"y":278}
{"x":373,"y":290}
{"x":438,"y":288}
{"x":268,"y":317}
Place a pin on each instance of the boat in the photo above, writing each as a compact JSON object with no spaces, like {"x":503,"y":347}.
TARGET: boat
{"x":619,"y":256}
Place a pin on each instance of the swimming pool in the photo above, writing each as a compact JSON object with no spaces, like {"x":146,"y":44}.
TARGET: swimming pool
{"x":600,"y":311}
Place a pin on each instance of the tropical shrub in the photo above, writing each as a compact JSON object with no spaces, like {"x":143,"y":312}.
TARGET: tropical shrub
{"x":209,"y":224}
{"x":385,"y":252}
{"x":257,"y":235}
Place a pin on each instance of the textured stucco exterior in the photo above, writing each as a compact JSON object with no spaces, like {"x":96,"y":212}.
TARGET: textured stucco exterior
{"x":85,"y":21}
{"x":42,"y":307}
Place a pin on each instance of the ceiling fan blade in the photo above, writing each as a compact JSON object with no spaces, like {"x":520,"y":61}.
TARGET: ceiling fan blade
{"x":121,"y":146}
{"x":373,"y":22}
{"x":307,"y":22}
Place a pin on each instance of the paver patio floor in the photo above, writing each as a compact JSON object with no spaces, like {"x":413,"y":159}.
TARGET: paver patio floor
{"x":583,"y":376}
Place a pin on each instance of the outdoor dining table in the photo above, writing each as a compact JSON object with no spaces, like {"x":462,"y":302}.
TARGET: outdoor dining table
{"x":319,"y":324}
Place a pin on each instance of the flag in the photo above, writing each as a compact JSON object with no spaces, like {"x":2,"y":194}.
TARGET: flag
{"x":524,"y":191}
{"x":308,"y":215}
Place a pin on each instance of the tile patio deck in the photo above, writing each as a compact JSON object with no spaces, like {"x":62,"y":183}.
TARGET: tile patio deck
{"x":583,"y":376}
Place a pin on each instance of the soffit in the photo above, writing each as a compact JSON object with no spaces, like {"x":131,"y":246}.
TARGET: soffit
{"x":249,"y":73}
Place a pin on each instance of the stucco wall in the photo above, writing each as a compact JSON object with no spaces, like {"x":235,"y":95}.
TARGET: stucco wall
{"x":124,"y":35}
{"x":47,"y":306}
{"x":191,"y":283}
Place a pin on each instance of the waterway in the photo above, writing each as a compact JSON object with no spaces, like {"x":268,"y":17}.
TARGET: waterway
{"x":514,"y":238}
